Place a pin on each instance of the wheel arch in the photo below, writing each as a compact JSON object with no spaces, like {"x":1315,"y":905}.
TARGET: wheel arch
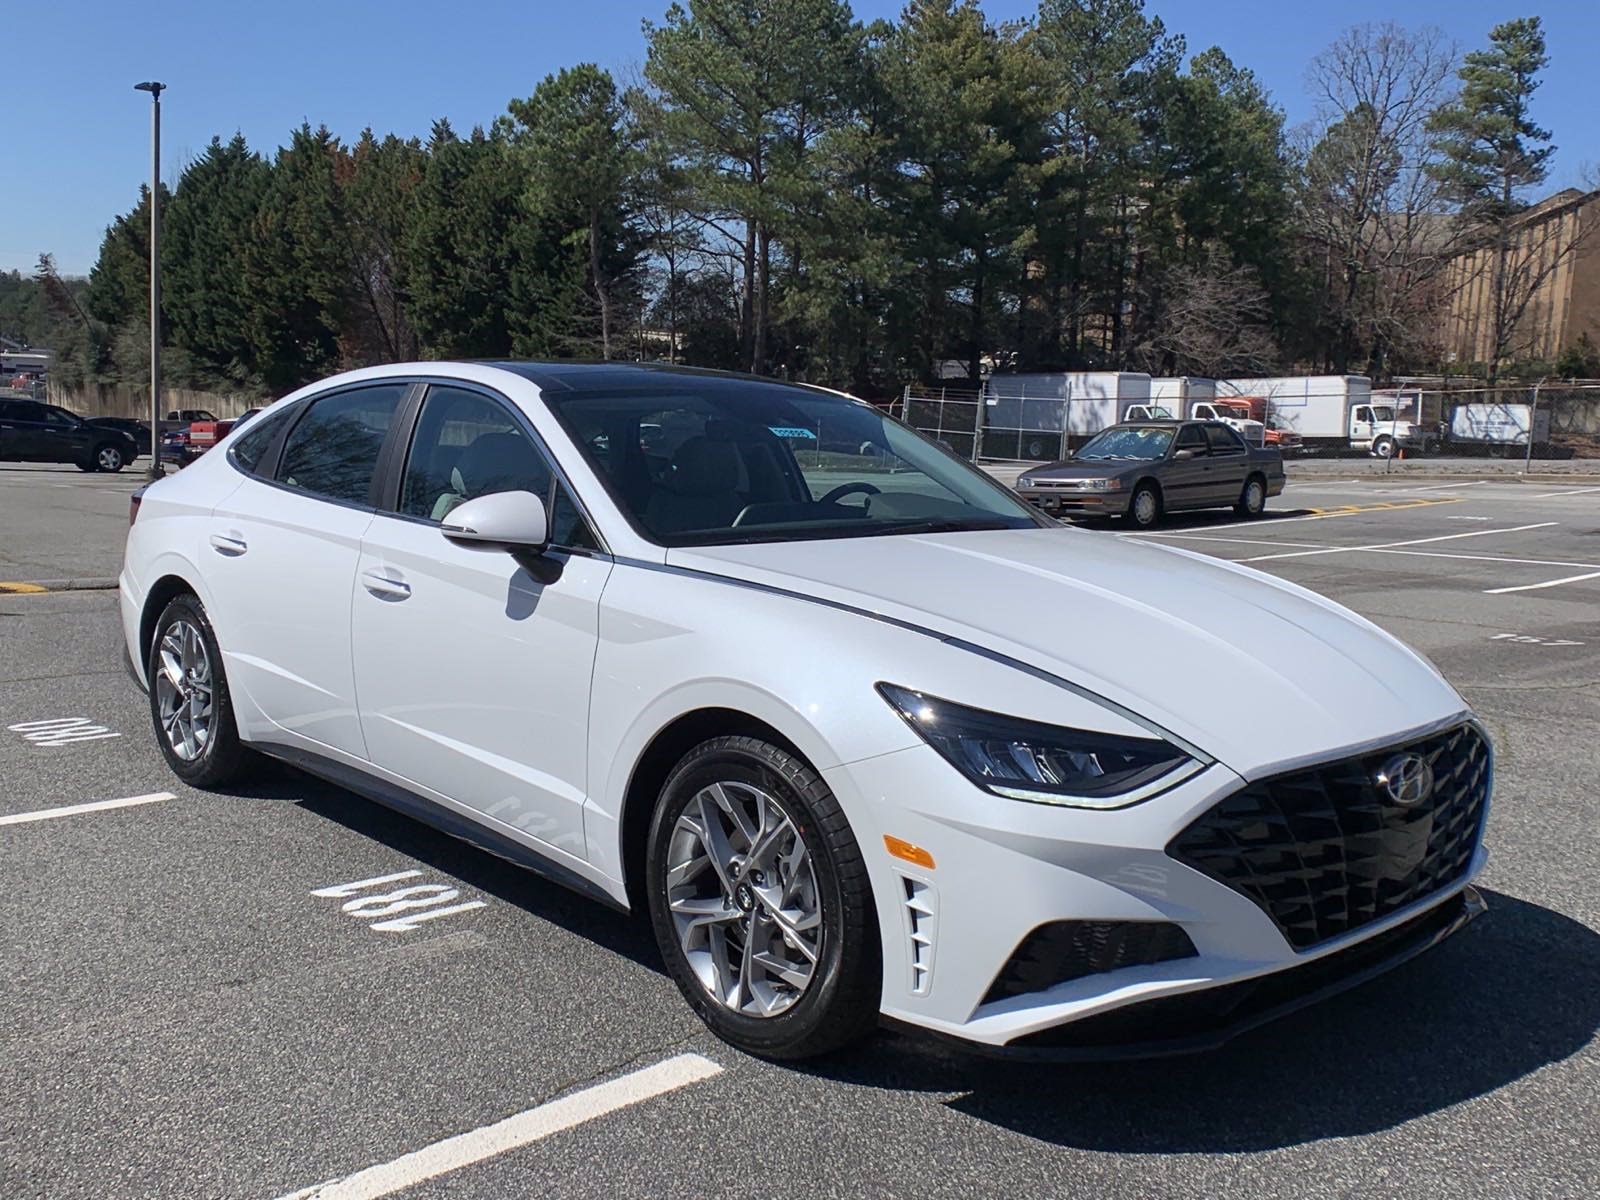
{"x":165,"y":589}
{"x":661,"y":754}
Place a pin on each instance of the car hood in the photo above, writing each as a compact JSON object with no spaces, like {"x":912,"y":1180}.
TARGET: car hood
{"x":1080,"y":469}
{"x":1261,"y":674}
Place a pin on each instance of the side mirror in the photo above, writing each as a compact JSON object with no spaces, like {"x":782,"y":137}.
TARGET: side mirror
{"x":1182,"y":455}
{"x":503,"y":520}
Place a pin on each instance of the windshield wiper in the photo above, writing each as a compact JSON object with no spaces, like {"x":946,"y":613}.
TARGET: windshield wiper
{"x":947,"y":525}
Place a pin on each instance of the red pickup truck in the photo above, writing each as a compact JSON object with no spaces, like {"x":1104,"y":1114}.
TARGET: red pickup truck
{"x":205,"y":434}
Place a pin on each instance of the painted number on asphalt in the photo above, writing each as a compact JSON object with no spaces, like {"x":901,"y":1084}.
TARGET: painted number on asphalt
{"x":397,"y":910}
{"x":62,"y":731}
{"x":1524,"y":639}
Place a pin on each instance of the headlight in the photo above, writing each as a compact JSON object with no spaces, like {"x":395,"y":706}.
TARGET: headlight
{"x":1024,"y":482}
{"x":1047,"y":764}
{"x":1103,"y":485}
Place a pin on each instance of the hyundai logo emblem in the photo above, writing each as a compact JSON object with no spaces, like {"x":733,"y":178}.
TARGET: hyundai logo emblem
{"x":1407,"y":779}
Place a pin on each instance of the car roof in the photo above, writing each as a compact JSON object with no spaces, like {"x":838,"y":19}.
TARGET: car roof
{"x":587,"y":376}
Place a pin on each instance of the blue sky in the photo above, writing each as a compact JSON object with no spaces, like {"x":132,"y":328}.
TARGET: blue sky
{"x":76,"y":134}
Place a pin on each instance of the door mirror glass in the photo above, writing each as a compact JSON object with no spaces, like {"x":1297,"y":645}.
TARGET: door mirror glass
{"x":505,"y":520}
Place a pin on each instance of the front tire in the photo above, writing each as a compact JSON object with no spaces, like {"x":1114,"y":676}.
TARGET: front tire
{"x":1383,"y":448}
{"x":760,"y":902}
{"x":190,"y":705}
{"x":109,"y":458}
{"x":1144,"y":510}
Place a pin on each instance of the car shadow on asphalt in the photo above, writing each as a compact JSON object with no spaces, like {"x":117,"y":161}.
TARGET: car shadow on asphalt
{"x":476,"y":867}
{"x":1203,"y":518}
{"x":1514,"y":992}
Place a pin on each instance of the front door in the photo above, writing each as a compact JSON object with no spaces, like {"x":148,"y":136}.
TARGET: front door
{"x":1185,"y":482}
{"x":473,"y":669}
{"x":1230,"y":463}
{"x":282,"y":559}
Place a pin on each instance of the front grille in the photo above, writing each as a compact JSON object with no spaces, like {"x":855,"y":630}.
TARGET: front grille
{"x":1326,"y":851}
{"x":1063,"y":950}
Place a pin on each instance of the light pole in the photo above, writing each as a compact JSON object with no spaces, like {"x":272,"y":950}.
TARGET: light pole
{"x":155,"y":90}
{"x":1533,"y":416}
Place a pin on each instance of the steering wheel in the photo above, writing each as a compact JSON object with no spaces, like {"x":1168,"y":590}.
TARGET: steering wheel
{"x":849,"y":489}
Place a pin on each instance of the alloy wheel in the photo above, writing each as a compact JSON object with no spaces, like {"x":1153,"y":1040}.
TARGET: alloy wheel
{"x":183,"y":690}
{"x":109,"y":459}
{"x":1255,"y":498}
{"x":743,"y":896}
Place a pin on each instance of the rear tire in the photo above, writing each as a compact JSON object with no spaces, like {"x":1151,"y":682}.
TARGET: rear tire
{"x":777,"y":949}
{"x":190,"y":705}
{"x":1144,"y":510}
{"x":1253,"y":500}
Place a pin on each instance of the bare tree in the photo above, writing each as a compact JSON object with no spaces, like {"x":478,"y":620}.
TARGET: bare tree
{"x":1371,"y":208}
{"x":1213,"y":319}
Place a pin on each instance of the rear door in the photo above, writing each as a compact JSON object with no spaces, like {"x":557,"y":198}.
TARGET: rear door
{"x":281,"y":564}
{"x":473,"y":666}
{"x":14,"y":433}
{"x":28,"y":432}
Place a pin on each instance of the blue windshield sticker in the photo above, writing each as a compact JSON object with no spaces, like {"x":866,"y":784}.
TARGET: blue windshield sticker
{"x":793,"y":431}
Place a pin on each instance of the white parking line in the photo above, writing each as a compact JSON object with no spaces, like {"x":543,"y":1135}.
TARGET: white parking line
{"x":1447,"y":537}
{"x":72,"y":810}
{"x":1496,"y":558}
{"x":1204,"y":537}
{"x":532,"y":1125}
{"x":1573,"y":492}
{"x":1533,"y":587}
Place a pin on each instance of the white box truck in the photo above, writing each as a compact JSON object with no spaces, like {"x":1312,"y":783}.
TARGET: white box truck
{"x":1076,"y":403}
{"x":1334,"y":412}
{"x":1196,"y":399}
{"x":1498,"y":424}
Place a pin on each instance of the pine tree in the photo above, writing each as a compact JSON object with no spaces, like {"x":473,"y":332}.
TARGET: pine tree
{"x":578,"y":163}
{"x":1493,"y":154}
{"x":207,"y":228}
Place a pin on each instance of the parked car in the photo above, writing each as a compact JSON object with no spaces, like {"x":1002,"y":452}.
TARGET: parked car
{"x":1143,"y":470}
{"x":139,"y":431}
{"x":32,"y":431}
{"x":864,"y":735}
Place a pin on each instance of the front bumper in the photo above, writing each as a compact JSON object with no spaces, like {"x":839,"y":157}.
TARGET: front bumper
{"x":1004,"y":868}
{"x":1070,"y":502}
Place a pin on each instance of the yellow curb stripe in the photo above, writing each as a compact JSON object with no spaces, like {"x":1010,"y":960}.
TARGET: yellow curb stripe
{"x":1345,"y":510}
{"x":21,"y":589}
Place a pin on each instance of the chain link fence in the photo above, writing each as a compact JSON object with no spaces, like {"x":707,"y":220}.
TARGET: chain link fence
{"x":994,"y":426}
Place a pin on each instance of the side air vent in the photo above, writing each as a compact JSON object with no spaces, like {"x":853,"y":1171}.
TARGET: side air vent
{"x":1064,"y":950}
{"x":921,"y":922}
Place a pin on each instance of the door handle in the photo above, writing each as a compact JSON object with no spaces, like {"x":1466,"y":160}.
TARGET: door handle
{"x":383,"y":587}
{"x":225,"y":543}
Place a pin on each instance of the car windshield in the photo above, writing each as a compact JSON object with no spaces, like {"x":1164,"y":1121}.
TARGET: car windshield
{"x":702,"y":460}
{"x":1128,"y":441}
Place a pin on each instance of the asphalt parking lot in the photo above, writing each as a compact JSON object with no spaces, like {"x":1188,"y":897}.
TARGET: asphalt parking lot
{"x":227,"y":995}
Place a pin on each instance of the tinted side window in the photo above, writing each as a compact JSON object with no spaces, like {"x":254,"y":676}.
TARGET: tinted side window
{"x":1190,"y":438}
{"x":1223,"y":440}
{"x":333,"y":449}
{"x":567,"y":526}
{"x":250,"y":446}
{"x":467,"y":445}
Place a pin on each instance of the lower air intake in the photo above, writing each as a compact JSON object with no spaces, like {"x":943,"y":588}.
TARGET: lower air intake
{"x":1064,"y":950}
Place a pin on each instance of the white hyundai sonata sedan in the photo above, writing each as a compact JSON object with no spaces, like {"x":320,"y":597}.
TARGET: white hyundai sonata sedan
{"x":866,"y":737}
